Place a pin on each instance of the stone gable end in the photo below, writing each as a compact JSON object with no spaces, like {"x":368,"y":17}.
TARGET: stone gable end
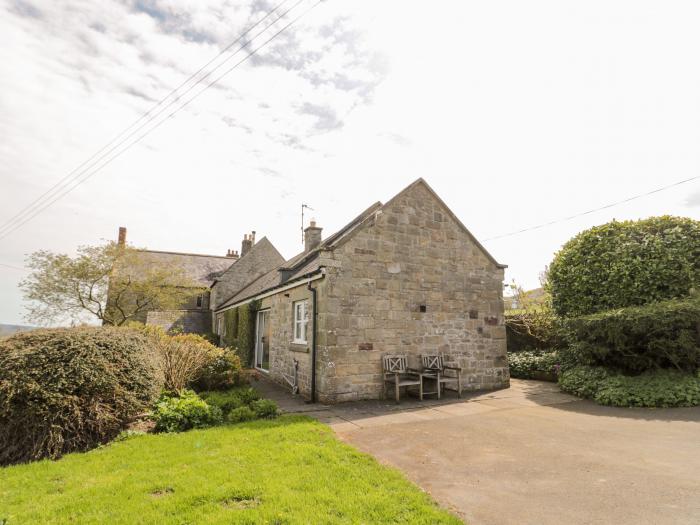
{"x":410,"y":281}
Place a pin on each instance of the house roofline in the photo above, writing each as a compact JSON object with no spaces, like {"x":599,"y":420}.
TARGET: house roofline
{"x":189,"y":254}
{"x":454,"y":217}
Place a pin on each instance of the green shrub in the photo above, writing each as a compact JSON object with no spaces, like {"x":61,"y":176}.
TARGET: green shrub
{"x":658,"y":388}
{"x":222,"y":373}
{"x":635,"y":339}
{"x":265,"y":408}
{"x":584,"y":381}
{"x":248,"y":395}
{"x":527,"y":365}
{"x":177,"y":413}
{"x":241,"y":404}
{"x":71,"y":389}
{"x":224,"y":400}
{"x":623,"y":264}
{"x":241,"y":414}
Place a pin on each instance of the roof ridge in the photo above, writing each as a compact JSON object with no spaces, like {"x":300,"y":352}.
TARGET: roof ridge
{"x":183,"y":253}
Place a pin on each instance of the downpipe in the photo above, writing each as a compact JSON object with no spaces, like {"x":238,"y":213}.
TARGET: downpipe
{"x":314,"y":314}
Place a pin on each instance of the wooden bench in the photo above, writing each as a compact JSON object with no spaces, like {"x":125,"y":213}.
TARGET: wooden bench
{"x":398,"y":374}
{"x":434,"y":367}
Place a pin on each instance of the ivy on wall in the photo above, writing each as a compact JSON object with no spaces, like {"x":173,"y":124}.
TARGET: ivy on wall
{"x":240,"y":331}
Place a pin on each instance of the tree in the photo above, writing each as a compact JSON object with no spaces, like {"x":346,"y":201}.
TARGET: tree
{"x":113,"y":283}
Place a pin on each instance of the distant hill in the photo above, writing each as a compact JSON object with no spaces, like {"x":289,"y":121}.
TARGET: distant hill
{"x":6,"y":330}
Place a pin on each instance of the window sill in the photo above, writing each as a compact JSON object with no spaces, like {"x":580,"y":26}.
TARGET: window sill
{"x":295,"y":346}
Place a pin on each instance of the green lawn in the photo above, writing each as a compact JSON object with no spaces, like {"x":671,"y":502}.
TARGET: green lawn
{"x":289,"y":470}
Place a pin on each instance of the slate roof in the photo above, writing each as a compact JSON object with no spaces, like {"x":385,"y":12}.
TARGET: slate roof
{"x":306,"y":264}
{"x":202,"y":269}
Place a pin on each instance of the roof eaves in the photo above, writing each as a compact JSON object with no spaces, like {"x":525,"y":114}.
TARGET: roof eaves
{"x":231,"y":301}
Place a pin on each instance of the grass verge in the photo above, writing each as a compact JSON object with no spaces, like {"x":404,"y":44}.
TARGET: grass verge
{"x":288,"y":470}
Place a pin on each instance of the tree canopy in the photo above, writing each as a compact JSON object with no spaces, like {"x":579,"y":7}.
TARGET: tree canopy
{"x":113,"y":283}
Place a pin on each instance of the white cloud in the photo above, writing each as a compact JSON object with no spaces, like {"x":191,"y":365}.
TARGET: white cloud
{"x":693,"y":200}
{"x":516,"y":113}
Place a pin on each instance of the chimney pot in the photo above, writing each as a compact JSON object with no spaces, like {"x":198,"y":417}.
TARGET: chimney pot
{"x":246,"y":245}
{"x":121,"y":240}
{"x":312,"y":236}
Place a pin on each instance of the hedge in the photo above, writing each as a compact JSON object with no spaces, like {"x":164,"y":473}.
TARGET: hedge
{"x":71,"y":389}
{"x":636,"y":339}
{"x":657,"y":388}
{"x":533,"y":365}
{"x":622,"y":264}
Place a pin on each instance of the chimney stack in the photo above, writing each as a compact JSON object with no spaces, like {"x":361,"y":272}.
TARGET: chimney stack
{"x":247,"y":244}
{"x":121,"y":240}
{"x":312,"y":236}
{"x":232,"y":254}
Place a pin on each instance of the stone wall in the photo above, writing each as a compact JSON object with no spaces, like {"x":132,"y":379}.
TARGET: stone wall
{"x":187,"y":321}
{"x":283,"y":350}
{"x":169,"y":317}
{"x":411,"y":282}
{"x":261,"y":258}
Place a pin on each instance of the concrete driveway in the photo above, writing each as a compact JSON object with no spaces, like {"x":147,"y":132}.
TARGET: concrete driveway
{"x":532,"y":455}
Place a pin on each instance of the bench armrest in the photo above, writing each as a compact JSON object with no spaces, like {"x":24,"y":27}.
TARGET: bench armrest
{"x":458,"y":368}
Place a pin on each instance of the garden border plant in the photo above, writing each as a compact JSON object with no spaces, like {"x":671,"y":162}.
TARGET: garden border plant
{"x":187,"y":410}
{"x":651,"y":389}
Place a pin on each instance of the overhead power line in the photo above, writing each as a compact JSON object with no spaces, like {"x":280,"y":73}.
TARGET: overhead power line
{"x":15,"y":267}
{"x":101,"y":152}
{"x":539,"y":226}
{"x":80,"y":174}
{"x":612,"y":204}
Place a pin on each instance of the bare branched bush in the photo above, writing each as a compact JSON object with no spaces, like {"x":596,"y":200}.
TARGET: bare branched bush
{"x":183,"y":357}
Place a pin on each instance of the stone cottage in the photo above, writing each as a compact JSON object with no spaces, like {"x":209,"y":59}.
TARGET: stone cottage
{"x":402,"y":277}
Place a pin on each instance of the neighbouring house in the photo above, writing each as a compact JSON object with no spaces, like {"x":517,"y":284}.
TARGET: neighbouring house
{"x":405,"y":277}
{"x":210,"y":275}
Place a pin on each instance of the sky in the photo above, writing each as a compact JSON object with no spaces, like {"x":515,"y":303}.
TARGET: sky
{"x":516,"y":113}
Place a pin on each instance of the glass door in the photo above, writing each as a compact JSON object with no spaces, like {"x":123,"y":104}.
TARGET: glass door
{"x":262,"y":340}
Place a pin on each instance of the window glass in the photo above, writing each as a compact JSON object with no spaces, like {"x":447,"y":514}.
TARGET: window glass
{"x":301,"y":321}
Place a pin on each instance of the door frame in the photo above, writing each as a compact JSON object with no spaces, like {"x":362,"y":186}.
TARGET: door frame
{"x":265,"y":311}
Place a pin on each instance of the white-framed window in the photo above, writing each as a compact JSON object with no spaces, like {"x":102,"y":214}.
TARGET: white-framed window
{"x":200,"y":300}
{"x":301,"y":321}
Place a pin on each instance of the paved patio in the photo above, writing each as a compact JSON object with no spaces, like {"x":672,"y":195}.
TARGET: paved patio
{"x":531,"y":455}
